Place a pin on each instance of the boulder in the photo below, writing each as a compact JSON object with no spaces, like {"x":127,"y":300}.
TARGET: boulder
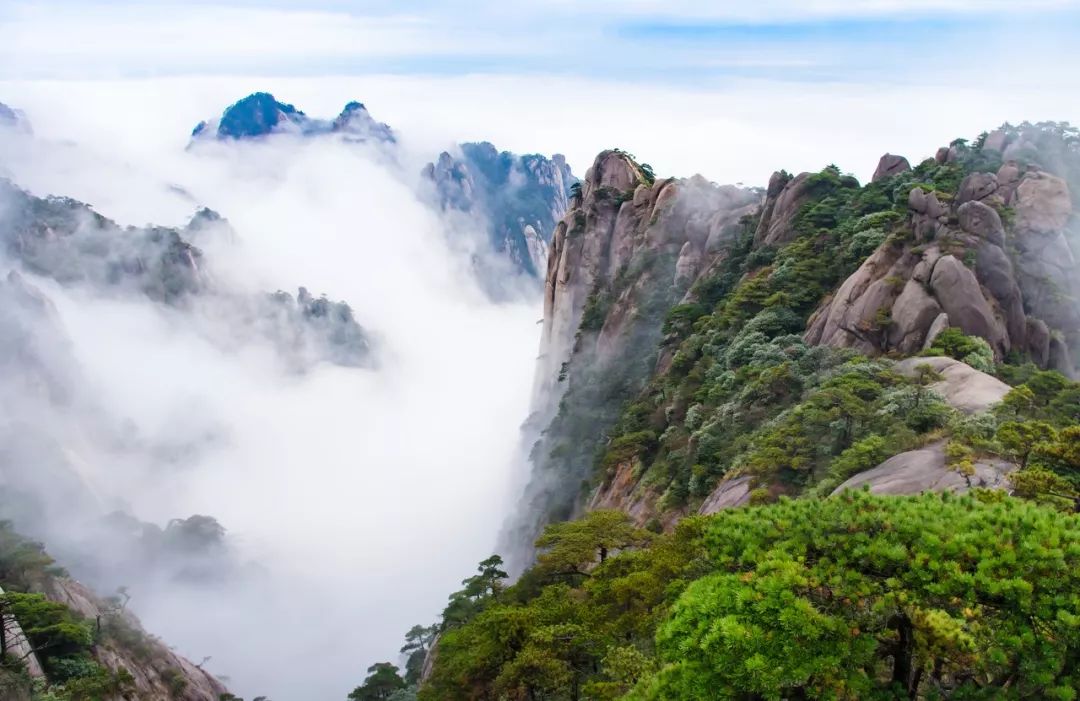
{"x":942,"y":156}
{"x":941,"y":322}
{"x":1038,"y":342}
{"x":982,"y":220}
{"x":687,"y":264}
{"x":890,"y":165}
{"x":912,"y":314}
{"x":1008,"y":177}
{"x":976,"y":186}
{"x":776,"y":221}
{"x":1042,"y":203}
{"x":962,"y":386}
{"x":924,"y":470}
{"x":995,"y":141}
{"x":728,"y":494}
{"x":957,"y":290}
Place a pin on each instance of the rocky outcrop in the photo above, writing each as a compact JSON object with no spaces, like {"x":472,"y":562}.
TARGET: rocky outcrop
{"x":629,"y":247}
{"x":17,"y":645}
{"x":158,"y":673}
{"x":963,"y":387}
{"x":619,"y":218}
{"x":924,"y":470}
{"x":355,"y":123}
{"x":783,"y":199}
{"x":728,"y":494}
{"x":13,"y":119}
{"x":520,"y":198}
{"x":890,"y":165}
{"x":622,"y":492}
{"x":955,"y":268}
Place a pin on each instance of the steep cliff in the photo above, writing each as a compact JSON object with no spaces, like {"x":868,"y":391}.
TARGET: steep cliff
{"x":796,"y":352}
{"x":73,"y":644}
{"x":694,"y":336}
{"x":629,"y":248}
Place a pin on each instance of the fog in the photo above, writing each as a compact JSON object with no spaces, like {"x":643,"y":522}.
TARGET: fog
{"x":355,"y":499}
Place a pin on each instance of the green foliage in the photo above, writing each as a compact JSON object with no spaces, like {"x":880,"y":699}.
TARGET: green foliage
{"x":572,"y":548}
{"x":51,"y":628}
{"x":382,"y":682}
{"x":861,"y":597}
{"x":850,"y":597}
{"x":477,"y":592}
{"x":972,"y":350}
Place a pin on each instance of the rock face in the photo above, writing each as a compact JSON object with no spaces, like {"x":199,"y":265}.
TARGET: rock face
{"x":519,"y":197}
{"x":955,"y":261}
{"x":260,"y":115}
{"x":890,"y":165}
{"x":158,"y":673}
{"x":783,"y":198}
{"x":727,"y":495}
{"x":963,"y":387}
{"x":628,"y":248}
{"x":924,"y":470}
{"x":608,"y":229}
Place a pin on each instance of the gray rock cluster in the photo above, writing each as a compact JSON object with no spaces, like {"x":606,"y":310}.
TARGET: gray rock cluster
{"x":961,"y":267}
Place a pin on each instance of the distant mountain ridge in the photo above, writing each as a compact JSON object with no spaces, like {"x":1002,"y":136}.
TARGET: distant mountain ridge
{"x":522,"y":197}
{"x":260,"y":114}
{"x":519,"y":198}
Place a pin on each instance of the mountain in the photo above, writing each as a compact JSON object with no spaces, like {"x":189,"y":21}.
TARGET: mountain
{"x":707,"y":347}
{"x":11,"y":118}
{"x":64,"y":635}
{"x":517,"y":199}
{"x":61,"y":444}
{"x":67,"y":241}
{"x":259,"y":115}
{"x":520,"y":197}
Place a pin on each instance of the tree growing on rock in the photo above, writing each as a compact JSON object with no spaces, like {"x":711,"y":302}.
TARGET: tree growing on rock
{"x":382,"y":682}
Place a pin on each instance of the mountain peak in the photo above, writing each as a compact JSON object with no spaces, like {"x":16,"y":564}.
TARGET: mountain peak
{"x":357,"y":123}
{"x":11,"y":117}
{"x":260,"y":114}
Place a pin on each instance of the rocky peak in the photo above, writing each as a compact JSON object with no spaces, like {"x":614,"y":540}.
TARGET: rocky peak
{"x":11,"y":118}
{"x":260,"y":115}
{"x":890,"y":165}
{"x":356,"y":123}
{"x":521,"y":197}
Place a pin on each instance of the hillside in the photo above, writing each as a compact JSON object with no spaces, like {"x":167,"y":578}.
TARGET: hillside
{"x":707,"y":347}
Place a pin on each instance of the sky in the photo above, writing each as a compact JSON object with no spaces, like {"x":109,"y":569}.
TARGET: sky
{"x":732,"y":90}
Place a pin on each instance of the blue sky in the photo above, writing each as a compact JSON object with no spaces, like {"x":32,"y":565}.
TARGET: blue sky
{"x":641,"y":40}
{"x":732,"y":90}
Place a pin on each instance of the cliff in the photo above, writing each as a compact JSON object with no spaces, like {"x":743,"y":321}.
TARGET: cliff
{"x":689,"y":329}
{"x":520,"y":198}
{"x":79,"y":645}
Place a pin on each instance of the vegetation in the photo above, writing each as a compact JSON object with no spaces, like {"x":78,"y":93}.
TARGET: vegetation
{"x":834,"y":597}
{"x":60,"y":639}
{"x":850,"y":597}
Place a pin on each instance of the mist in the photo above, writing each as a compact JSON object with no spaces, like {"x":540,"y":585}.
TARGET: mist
{"x":355,"y":499}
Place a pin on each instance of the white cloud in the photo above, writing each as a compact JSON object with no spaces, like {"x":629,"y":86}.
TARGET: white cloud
{"x":366,"y":495}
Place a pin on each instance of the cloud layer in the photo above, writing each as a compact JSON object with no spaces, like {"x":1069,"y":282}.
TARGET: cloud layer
{"x":358,"y":497}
